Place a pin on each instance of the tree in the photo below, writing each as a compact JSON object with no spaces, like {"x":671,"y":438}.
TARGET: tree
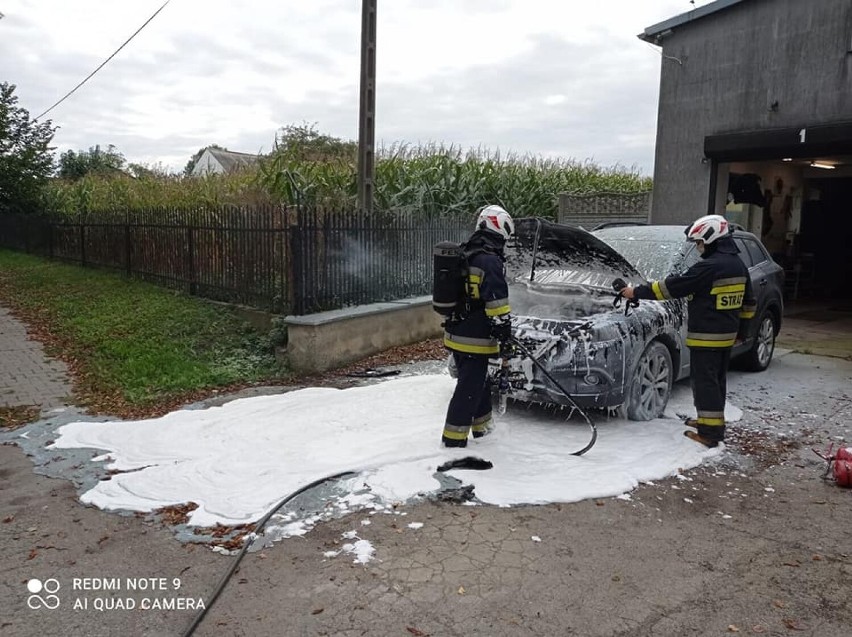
{"x":74,"y":166}
{"x":305,"y":142}
{"x":190,"y":165}
{"x":26,"y":157}
{"x":149,"y":171}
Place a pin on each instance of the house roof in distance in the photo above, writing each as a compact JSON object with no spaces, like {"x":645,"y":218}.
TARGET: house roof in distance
{"x":232,"y":160}
{"x":655,"y":33}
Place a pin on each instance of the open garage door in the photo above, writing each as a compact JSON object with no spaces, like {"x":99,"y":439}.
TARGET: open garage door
{"x":793,"y":189}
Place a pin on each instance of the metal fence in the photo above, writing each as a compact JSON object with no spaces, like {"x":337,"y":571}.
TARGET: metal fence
{"x":589,"y":211}
{"x":287,"y":261}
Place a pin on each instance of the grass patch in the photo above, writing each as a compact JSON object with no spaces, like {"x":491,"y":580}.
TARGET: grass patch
{"x":131,"y":344}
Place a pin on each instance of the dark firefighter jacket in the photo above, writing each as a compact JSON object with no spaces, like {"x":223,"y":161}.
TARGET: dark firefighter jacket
{"x":720,"y":298}
{"x":469,"y":331}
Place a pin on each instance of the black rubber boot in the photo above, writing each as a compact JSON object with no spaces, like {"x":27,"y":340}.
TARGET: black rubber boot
{"x":692,"y":435}
{"x":449,"y":442}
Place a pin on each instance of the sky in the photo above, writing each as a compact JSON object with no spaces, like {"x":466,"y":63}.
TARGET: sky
{"x":236,"y":461}
{"x":553,"y":78}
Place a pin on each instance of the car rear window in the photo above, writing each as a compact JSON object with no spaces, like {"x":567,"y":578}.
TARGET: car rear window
{"x":757,"y":254}
{"x":745,"y":256}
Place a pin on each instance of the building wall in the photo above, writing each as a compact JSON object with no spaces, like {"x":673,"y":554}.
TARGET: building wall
{"x":724,"y":72}
{"x":207,"y":163}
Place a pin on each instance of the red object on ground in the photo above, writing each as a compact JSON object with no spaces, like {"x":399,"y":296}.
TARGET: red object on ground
{"x":843,"y":467}
{"x":839,"y":464}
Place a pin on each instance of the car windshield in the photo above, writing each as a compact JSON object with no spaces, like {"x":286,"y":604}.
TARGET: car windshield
{"x":655,"y":251}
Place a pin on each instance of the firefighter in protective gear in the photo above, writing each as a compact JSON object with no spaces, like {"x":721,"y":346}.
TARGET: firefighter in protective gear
{"x":478,"y":327}
{"x":720,"y":305}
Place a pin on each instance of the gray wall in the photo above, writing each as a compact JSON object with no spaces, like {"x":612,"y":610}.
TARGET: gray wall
{"x":729,"y":68}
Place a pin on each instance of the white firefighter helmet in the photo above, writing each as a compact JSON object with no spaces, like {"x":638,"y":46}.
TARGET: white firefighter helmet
{"x":708,"y":229}
{"x":496,"y":219}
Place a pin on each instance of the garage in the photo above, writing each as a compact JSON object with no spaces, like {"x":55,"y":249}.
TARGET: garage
{"x":755,"y":122}
{"x":793,"y":189}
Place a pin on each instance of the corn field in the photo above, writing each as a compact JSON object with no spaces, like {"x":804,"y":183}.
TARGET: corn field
{"x":427,"y":179}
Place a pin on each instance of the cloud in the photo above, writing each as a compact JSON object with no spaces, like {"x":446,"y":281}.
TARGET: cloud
{"x":604,"y":101}
{"x":534,"y":76}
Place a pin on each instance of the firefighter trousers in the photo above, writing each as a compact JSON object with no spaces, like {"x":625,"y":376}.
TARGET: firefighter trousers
{"x":470,"y":406}
{"x":709,"y":370}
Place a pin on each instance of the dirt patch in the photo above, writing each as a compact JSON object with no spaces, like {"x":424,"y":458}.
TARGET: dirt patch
{"x":765,"y":448}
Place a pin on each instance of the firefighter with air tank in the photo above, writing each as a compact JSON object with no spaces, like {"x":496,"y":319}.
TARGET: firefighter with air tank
{"x":470,"y":289}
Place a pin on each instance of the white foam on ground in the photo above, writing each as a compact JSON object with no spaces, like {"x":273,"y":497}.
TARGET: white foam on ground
{"x":239,"y":459}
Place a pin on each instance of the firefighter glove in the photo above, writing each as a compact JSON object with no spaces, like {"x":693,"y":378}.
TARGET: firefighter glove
{"x":502,"y":331}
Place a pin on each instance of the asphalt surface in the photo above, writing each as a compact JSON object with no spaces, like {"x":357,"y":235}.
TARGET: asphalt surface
{"x":755,"y":543}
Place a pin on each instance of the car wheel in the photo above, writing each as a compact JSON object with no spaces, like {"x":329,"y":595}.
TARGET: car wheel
{"x":760,"y":355}
{"x":652,"y":383}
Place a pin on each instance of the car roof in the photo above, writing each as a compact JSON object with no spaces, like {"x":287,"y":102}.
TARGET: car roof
{"x":641,"y":232}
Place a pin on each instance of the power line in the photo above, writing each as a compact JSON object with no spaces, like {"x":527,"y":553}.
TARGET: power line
{"x":103,"y":64}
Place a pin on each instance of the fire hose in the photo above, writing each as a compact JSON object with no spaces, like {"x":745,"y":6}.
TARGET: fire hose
{"x":503,"y":390}
{"x":503,"y":385}
{"x":468,"y":462}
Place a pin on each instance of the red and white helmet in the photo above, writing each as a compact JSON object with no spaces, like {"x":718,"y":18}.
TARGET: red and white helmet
{"x":496,"y":219}
{"x":708,"y":229}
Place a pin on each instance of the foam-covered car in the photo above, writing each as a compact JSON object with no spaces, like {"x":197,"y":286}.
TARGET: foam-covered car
{"x":560,"y":288}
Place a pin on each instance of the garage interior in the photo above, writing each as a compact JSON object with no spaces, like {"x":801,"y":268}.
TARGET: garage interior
{"x":803,"y":218}
{"x":797,"y":197}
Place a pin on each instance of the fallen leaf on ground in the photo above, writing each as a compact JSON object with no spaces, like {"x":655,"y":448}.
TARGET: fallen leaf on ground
{"x":733,"y":628}
{"x":793,"y":624}
{"x":33,"y":553}
{"x":461,"y":590}
{"x":8,"y":519}
{"x":416,"y":632}
{"x":317,"y":611}
{"x":777,"y":603}
{"x":758,"y":629}
{"x":177,"y":513}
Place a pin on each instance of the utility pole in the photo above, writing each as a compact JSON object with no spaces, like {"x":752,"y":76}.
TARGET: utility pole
{"x":367,"y":111}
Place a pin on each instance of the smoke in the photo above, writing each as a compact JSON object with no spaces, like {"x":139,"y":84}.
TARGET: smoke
{"x":359,"y":261}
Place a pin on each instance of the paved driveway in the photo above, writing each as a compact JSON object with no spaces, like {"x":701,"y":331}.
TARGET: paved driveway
{"x":754,"y":544}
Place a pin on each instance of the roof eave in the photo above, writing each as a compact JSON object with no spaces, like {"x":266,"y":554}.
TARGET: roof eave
{"x":657,"y":32}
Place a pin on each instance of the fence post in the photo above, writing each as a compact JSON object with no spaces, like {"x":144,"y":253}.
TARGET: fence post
{"x":297,"y":289}
{"x":190,"y":255}
{"x":128,"y":263}
{"x":50,"y":237}
{"x":82,"y":240}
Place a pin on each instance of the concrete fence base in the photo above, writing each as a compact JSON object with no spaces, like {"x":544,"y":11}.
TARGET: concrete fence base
{"x":317,"y":342}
